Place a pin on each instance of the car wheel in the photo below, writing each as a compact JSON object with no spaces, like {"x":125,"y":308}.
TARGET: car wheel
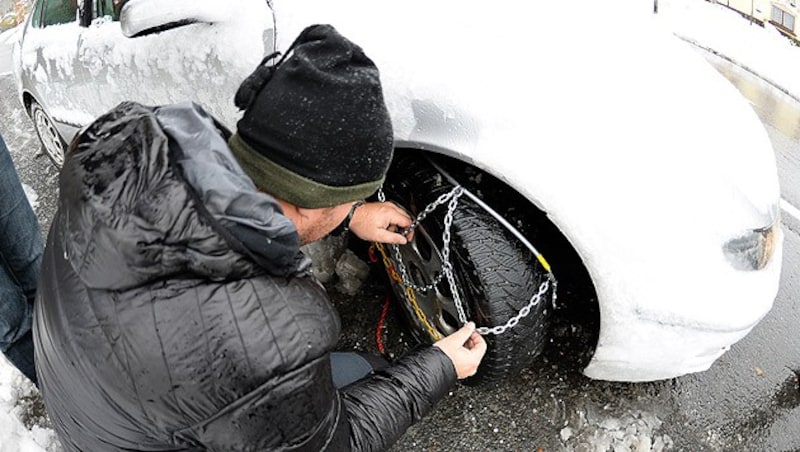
{"x":52,"y":144}
{"x":495,"y":274}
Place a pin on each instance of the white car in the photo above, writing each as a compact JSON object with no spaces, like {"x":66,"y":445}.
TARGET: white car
{"x":592,"y":148}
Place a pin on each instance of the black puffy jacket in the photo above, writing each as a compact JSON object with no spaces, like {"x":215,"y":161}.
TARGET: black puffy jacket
{"x":175,"y":312}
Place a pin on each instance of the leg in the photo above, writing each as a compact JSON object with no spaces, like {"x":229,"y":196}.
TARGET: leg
{"x":349,"y":367}
{"x":20,"y":256}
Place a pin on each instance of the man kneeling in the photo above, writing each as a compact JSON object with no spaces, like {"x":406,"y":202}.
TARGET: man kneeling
{"x":175,"y":309}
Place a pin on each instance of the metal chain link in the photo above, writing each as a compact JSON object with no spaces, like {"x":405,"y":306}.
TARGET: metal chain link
{"x":409,"y":293}
{"x":451,"y":198}
{"x":513,"y":321}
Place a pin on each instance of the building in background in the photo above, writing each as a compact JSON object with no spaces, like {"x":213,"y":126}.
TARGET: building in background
{"x":6,"y":6}
{"x":21,"y":8}
{"x":780,"y":13}
{"x":13,"y":13}
{"x":783,"y":14}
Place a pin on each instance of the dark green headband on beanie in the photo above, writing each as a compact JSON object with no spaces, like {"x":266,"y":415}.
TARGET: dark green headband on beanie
{"x":315,"y":130}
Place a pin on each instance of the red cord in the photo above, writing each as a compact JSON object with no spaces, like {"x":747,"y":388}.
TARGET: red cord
{"x":371,"y":252}
{"x":381,"y":325}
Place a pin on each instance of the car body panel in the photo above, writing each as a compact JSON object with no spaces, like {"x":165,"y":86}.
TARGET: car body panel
{"x":78,"y":73}
{"x":643,"y":156}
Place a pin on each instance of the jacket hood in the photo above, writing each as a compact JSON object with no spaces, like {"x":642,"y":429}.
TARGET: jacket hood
{"x":151,"y":193}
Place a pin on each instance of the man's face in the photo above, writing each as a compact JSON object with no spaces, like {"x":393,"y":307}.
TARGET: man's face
{"x":320,"y":222}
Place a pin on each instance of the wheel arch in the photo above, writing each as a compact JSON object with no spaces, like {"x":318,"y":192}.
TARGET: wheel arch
{"x":577,"y":296}
{"x":27,"y":101}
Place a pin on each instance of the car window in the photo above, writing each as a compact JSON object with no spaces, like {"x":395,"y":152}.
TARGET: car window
{"x":59,"y":12}
{"x":36,"y":15}
{"x":109,"y":8}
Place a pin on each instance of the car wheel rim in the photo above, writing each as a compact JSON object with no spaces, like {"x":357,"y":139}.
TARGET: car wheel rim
{"x":423,"y":261}
{"x":50,"y":138}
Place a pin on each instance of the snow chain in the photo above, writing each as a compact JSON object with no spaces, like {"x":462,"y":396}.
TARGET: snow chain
{"x":409,"y":291}
{"x":410,"y":288}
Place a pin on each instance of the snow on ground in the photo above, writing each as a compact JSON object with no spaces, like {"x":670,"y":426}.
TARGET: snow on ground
{"x":7,"y":38}
{"x":25,"y":428}
{"x":33,"y":197}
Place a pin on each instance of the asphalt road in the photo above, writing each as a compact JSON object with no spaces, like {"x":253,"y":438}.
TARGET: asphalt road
{"x":749,"y":399}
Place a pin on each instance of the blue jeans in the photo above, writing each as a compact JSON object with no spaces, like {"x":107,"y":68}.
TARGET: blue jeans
{"x":20,"y":257}
{"x":349,"y":367}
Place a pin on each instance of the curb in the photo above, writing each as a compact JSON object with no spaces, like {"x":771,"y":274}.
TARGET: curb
{"x":743,"y":66}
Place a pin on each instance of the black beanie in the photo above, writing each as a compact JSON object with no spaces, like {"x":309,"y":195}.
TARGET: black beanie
{"x":315,"y":130}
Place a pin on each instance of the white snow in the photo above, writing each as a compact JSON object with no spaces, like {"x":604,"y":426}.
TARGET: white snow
{"x":153,"y":69}
{"x":14,"y":436}
{"x":154,"y":13}
{"x":790,"y":209}
{"x":761,"y":50}
{"x":33,"y":197}
{"x":634,"y":431}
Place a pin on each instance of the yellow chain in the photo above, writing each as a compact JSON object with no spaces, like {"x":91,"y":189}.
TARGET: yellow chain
{"x":409,"y":292}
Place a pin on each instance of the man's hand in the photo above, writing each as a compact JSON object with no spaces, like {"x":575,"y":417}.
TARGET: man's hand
{"x":465,"y":348}
{"x":381,"y":222}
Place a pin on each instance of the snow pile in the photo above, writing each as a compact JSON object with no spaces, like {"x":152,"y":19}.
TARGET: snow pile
{"x":632,"y":432}
{"x":33,"y":197}
{"x":23,"y":424}
{"x":335,"y":264}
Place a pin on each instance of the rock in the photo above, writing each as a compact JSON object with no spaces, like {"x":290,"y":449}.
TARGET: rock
{"x":324,"y":254}
{"x":352,"y":272}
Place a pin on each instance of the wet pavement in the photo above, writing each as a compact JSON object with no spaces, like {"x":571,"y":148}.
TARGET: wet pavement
{"x":749,"y":399}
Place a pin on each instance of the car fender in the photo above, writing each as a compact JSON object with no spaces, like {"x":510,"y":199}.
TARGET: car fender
{"x":622,"y":142}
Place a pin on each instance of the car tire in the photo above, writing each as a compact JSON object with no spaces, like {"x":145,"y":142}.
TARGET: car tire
{"x":52,"y":143}
{"x":497,"y":275}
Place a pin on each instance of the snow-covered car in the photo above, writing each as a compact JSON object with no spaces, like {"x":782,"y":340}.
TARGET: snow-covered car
{"x":583,"y":145}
